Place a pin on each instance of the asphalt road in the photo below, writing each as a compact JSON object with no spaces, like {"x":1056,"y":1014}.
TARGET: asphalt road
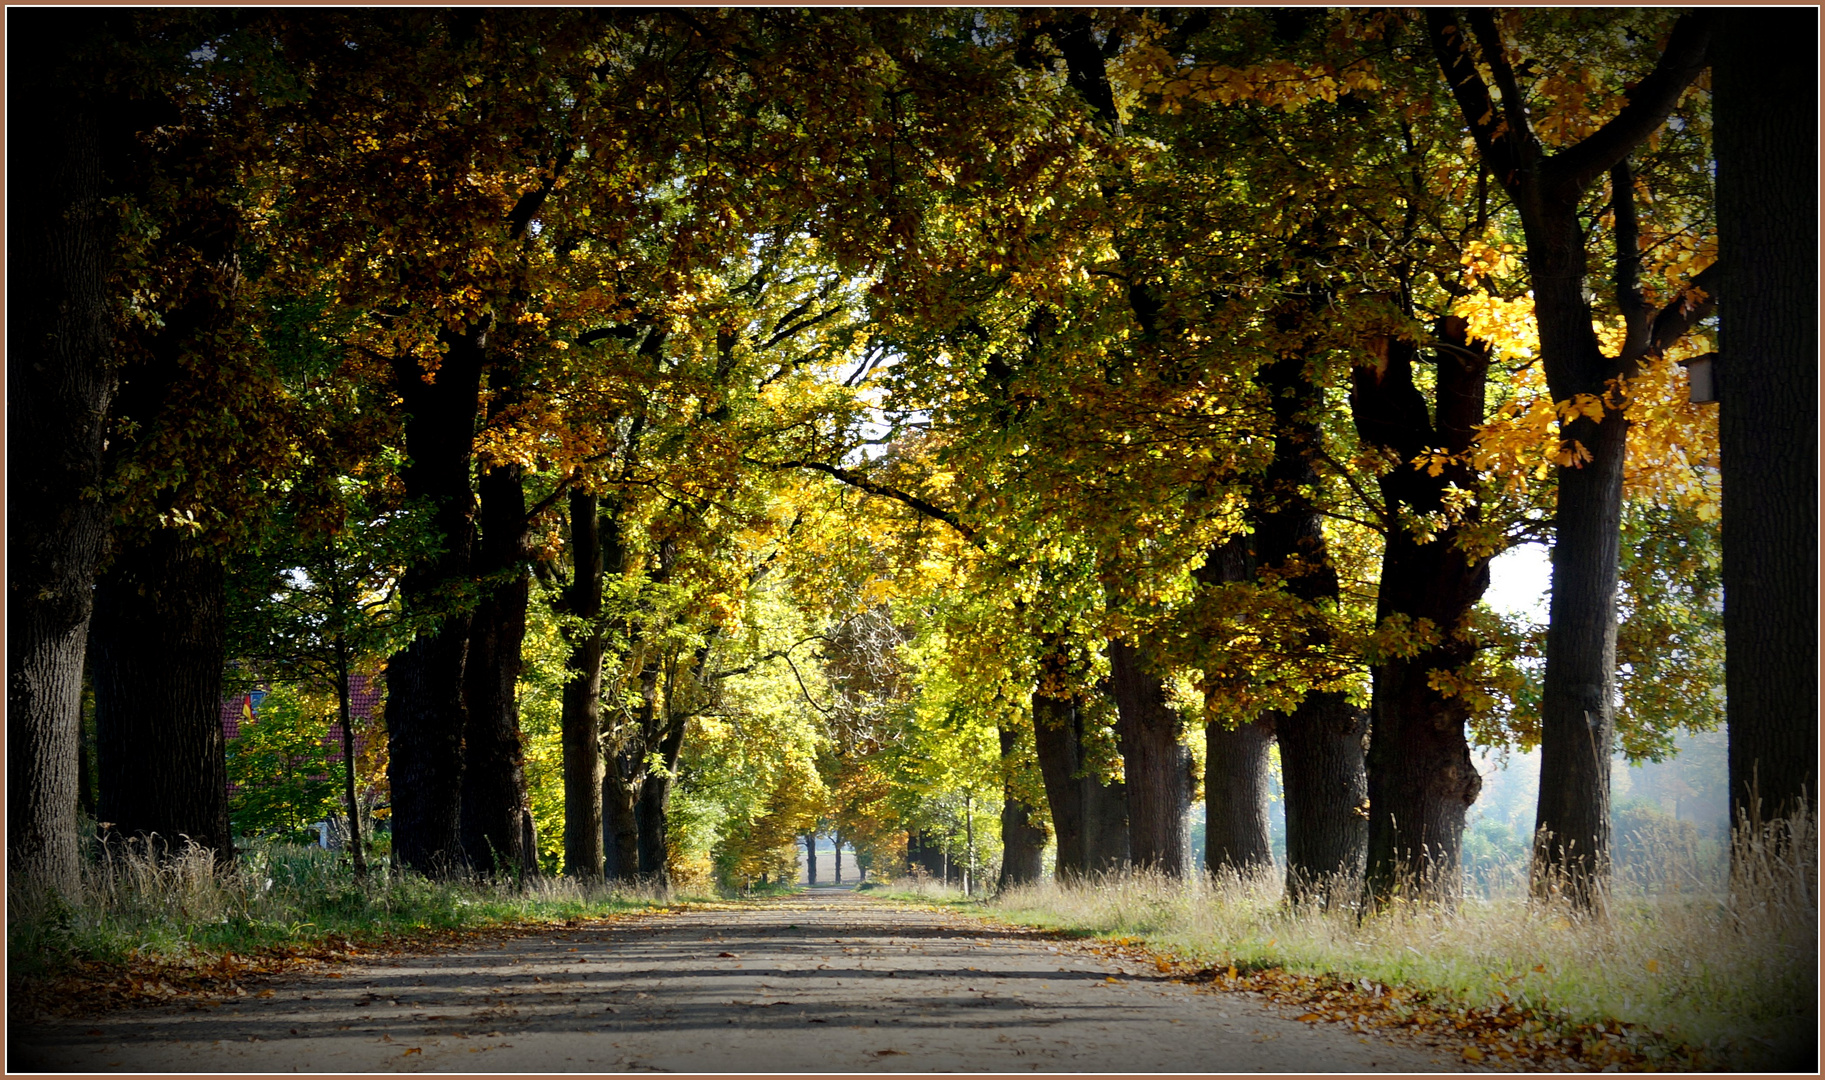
{"x":826,"y":982}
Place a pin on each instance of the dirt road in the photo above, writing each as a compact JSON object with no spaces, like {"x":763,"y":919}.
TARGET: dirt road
{"x":826,"y":982}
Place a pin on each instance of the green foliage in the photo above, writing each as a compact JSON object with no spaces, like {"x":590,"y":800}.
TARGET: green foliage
{"x":1670,"y":645}
{"x":541,"y":688}
{"x":280,"y":762}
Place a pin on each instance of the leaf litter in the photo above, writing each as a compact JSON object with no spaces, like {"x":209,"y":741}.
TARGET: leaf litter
{"x":1509,"y":1036}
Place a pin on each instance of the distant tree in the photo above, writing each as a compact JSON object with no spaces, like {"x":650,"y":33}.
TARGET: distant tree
{"x":319,"y":601}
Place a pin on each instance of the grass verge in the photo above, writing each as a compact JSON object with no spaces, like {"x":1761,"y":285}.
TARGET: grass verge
{"x":1664,"y":978}
{"x":146,"y":928}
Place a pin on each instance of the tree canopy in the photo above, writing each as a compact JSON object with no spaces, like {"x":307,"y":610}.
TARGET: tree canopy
{"x":718,"y":426}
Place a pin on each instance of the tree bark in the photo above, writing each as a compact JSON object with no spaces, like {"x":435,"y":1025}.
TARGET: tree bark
{"x":1421,"y":780}
{"x":581,"y":722}
{"x":655,"y":807}
{"x":349,"y":796}
{"x":1578,"y":691}
{"x":1236,"y":764}
{"x":1322,"y":757}
{"x":425,"y":711}
{"x":1764,"y":86}
{"x":811,"y":858}
{"x":59,"y":385}
{"x":1236,"y":759}
{"x":158,"y":640}
{"x":1055,"y":742}
{"x":1023,"y":840}
{"x":620,"y":824}
{"x":1156,"y":766}
{"x":1089,"y":817}
{"x":494,"y":772}
{"x":1323,"y":771}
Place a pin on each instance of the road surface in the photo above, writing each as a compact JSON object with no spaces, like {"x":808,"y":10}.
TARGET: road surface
{"x":829,"y":981}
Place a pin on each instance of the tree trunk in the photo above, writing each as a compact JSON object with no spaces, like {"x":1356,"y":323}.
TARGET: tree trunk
{"x":1322,"y":758}
{"x":922,"y":854}
{"x":1323,"y":771}
{"x":1765,"y":80}
{"x":620,"y":824}
{"x":350,"y":797}
{"x":1055,"y":743}
{"x":1023,"y":840}
{"x":1578,"y":688}
{"x":1156,"y":766}
{"x":1236,"y":759}
{"x":811,"y":858}
{"x":59,"y":385}
{"x":1578,"y":691}
{"x":1089,"y":817}
{"x":581,"y":723}
{"x":836,"y":851}
{"x":425,"y":712}
{"x":494,"y":774}
{"x":1236,"y":764}
{"x":1106,"y":821}
{"x":1421,"y":780}
{"x":654,"y":813}
{"x":158,"y":643}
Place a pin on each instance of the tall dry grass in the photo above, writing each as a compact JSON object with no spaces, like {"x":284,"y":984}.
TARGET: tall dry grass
{"x":1728,"y":964}
{"x":182,"y":907}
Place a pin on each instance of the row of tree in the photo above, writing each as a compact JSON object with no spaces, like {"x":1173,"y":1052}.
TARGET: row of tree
{"x":887,"y":404}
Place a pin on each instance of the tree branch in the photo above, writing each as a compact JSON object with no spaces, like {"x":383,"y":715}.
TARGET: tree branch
{"x":1637,"y":318}
{"x":1568,"y":173}
{"x":1495,"y":51}
{"x":857,"y":480}
{"x":1686,"y":310}
{"x":1452,"y":47}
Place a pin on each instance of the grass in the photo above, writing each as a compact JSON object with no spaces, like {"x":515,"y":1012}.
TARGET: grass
{"x":1699,"y":969}
{"x":136,"y":909}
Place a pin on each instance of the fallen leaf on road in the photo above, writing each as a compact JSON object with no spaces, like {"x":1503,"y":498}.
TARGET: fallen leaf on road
{"x":726,"y":955}
{"x":885,"y":1053}
{"x":413,"y":1050}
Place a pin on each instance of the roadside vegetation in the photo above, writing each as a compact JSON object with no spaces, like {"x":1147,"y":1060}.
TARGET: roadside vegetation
{"x":1675,"y":973}
{"x":152,"y":928}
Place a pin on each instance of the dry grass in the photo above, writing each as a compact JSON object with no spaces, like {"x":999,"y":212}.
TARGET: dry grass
{"x":183,"y":909}
{"x":1732,"y":971}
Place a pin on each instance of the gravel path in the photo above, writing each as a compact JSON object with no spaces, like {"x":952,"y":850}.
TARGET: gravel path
{"x":825,"y":982}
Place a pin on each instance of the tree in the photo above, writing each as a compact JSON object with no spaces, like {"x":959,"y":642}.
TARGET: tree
{"x":200,"y":436}
{"x":582,"y":710}
{"x":325,"y":604}
{"x":1766,"y":143}
{"x":1548,"y":189}
{"x":59,"y":388}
